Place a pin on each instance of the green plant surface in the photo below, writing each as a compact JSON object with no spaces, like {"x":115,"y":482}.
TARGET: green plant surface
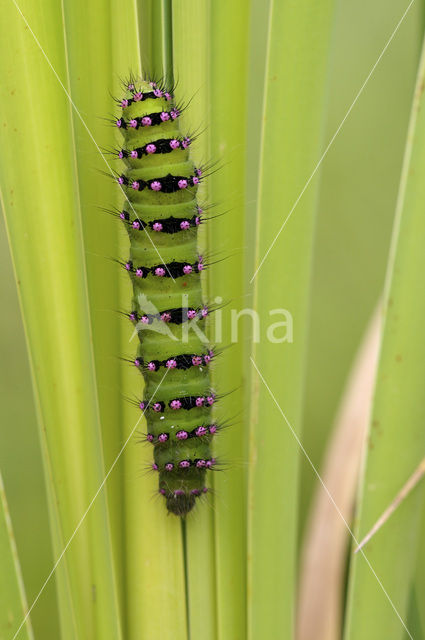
{"x":191,"y":67}
{"x":297,"y":54}
{"x":49,"y":266}
{"x":13,"y":603}
{"x":90,"y":88}
{"x":20,"y":453}
{"x":396,"y":440}
{"x":229,"y":28}
{"x":155,"y":582}
{"x":156,"y":37}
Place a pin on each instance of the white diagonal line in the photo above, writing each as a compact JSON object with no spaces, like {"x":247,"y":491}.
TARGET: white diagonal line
{"x":64,"y":550}
{"x":85,"y":126}
{"x":359,"y":93}
{"x":329,"y":494}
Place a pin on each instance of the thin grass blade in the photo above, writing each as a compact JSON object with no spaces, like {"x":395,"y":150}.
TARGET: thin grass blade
{"x":38,"y":185}
{"x":296,"y":67}
{"x":396,"y":440}
{"x":13,"y":603}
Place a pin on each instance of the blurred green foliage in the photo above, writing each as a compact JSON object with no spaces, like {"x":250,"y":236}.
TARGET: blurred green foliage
{"x":359,"y":185}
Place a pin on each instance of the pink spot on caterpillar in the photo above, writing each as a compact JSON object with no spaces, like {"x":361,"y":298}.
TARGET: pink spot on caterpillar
{"x":135,"y":185}
{"x":156,"y":185}
{"x":164,"y":116}
{"x":182,"y":184}
{"x":184,"y":464}
{"x":159,"y":271}
{"x":150,"y":437}
{"x":151,"y":148}
{"x":213,"y":429}
{"x":128,"y":266}
{"x":162,"y":492}
{"x":120,"y":180}
{"x":169,"y":466}
{"x":209,"y":463}
{"x":137,"y":362}
{"x":119,"y":123}
{"x":174,"y":144}
{"x":167,"y":96}
{"x":174,"y":113}
{"x":207,"y":359}
{"x":198,"y":172}
{"x":210,"y":400}
{"x":182,"y":435}
{"x":166,"y":317}
{"x":151,"y":366}
{"x":171,"y":364}
{"x":163,"y":437}
{"x":157,"y":226}
{"x":139,"y":272}
{"x":133,"y":123}
{"x":179,"y":492}
{"x":201,"y":431}
{"x":186,"y":142}
{"x":142,"y":406}
{"x":185,"y":224}
{"x":154,"y":466}
{"x":200,"y":464}
{"x":138,"y":96}
{"x":196,"y":361}
{"x":157,"y":93}
{"x":124,"y":103}
{"x":136,"y":224}
{"x":157,"y":407}
{"x":175,"y":404}
{"x":146,"y":121}
{"x":130,"y":87}
{"x":197,"y":221}
{"x":205,"y":490}
{"x":191,"y":314}
{"x":122,"y":215}
{"x":200,"y":266}
{"x":200,"y":401}
{"x":195,"y":492}
{"x":152,"y":83}
{"x":120,"y":155}
{"x":145,"y":319}
{"x":204,"y":312}
{"x":187,"y":269}
{"x":134,"y":154}
{"x":195,"y":180}
{"x":132,"y":316}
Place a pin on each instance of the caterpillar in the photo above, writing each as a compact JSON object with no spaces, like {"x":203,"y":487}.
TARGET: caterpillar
{"x":162,"y":216}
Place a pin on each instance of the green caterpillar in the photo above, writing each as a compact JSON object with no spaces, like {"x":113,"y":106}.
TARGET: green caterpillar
{"x":162,"y":217}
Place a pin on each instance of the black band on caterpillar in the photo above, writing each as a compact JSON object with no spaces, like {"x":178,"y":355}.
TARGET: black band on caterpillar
{"x":167,"y":184}
{"x":154,"y":146}
{"x":182,"y":361}
{"x":164,"y":225}
{"x":175,"y":316}
{"x":186,"y":402}
{"x":149,"y":120}
{"x":198,"y":432}
{"x":169,"y":270}
{"x":163,"y":145}
{"x":198,"y":463}
{"x":138,"y":96}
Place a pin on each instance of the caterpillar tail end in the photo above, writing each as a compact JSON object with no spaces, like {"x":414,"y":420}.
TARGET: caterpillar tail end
{"x":180,"y":505}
